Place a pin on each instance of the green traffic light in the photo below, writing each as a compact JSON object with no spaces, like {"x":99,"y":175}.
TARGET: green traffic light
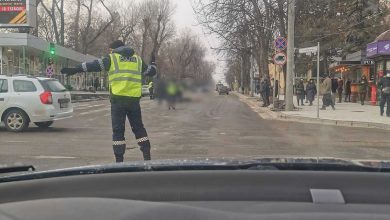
{"x":52,"y":49}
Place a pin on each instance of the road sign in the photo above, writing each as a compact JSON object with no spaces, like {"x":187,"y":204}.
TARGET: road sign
{"x":280,"y":58}
{"x":308,"y":50}
{"x":50,"y":71}
{"x":280,"y":43}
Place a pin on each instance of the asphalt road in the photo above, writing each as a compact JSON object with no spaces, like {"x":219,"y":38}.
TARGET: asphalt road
{"x":215,"y":126}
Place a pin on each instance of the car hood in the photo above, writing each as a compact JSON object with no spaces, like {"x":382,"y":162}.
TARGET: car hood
{"x":295,"y":163}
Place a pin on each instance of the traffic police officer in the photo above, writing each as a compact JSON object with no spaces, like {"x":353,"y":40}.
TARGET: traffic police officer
{"x":151,"y":90}
{"x":125,"y":70}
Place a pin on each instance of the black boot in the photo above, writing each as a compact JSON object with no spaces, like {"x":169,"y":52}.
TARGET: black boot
{"x":119,"y":151}
{"x":145,"y":148}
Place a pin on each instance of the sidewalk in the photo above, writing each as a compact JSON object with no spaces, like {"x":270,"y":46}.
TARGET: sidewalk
{"x":346,"y":114}
{"x":83,"y":96}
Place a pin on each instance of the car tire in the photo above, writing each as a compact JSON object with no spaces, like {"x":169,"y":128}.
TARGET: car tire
{"x":16,"y":120}
{"x":44,"y":124}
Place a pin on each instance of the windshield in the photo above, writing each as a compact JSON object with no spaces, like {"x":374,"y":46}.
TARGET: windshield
{"x":118,"y":81}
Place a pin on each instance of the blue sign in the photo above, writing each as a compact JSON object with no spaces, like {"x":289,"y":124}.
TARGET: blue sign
{"x":280,"y":43}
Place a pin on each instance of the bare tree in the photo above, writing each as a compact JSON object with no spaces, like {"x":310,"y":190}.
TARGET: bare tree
{"x":56,"y":13}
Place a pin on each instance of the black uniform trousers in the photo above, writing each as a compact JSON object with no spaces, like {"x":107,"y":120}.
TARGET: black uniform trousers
{"x":130,"y":108}
{"x":385,"y":99}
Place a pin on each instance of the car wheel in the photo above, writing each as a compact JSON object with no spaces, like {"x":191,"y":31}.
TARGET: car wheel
{"x":16,"y":121}
{"x":45,"y":124}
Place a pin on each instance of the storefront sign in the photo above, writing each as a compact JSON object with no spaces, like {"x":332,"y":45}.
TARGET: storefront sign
{"x":368,"y":62}
{"x":372,"y":49}
{"x":384,"y":47}
{"x":17,"y":13}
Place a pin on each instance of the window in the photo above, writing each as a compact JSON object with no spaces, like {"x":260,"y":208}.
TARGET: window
{"x":24,"y":86}
{"x":3,"y":85}
{"x":53,"y":86}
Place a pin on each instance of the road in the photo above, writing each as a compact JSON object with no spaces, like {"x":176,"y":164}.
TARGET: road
{"x":215,"y":126}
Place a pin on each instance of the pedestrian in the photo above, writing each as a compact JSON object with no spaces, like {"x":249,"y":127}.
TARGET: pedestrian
{"x":384,"y":86}
{"x":363,"y":86}
{"x":311,"y":91}
{"x":125,"y":70}
{"x":257,"y":88}
{"x":160,"y":89}
{"x":335,"y":85}
{"x":151,"y":90}
{"x":171,"y":95}
{"x":340,"y":89}
{"x":264,"y":91}
{"x":300,"y":91}
{"x":327,"y":93}
{"x":267,"y":91}
{"x":348,"y":90}
{"x":97,"y":83}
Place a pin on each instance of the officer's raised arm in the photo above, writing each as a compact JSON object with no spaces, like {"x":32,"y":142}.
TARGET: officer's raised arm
{"x":151,"y":69}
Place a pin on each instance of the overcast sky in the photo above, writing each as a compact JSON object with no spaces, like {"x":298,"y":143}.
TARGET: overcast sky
{"x":185,"y":18}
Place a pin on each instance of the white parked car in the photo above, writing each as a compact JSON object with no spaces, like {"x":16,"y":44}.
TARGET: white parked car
{"x":25,"y":99}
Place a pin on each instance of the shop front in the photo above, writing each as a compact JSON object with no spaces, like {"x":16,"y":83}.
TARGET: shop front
{"x":379,"y":52}
{"x":353,"y":68}
{"x":25,"y":54}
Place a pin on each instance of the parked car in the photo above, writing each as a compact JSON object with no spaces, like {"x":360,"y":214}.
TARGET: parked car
{"x":145,"y":90}
{"x":218,"y":86}
{"x":223,"y":90}
{"x":25,"y":99}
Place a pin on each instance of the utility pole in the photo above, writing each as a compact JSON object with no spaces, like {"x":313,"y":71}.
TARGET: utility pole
{"x":290,"y":56}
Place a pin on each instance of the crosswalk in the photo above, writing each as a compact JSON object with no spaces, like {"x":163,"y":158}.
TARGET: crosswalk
{"x":92,"y":108}
{"x":98,"y":108}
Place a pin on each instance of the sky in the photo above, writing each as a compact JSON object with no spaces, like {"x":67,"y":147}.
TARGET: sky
{"x":185,"y":18}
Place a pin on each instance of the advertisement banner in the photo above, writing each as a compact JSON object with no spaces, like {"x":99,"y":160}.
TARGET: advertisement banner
{"x":17,"y":13}
{"x":372,"y":49}
{"x":384,"y":47}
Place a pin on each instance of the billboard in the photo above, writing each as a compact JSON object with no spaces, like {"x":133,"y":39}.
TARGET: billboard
{"x":17,"y":13}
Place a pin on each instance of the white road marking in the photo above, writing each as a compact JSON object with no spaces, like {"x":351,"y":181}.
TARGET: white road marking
{"x":15,"y":141}
{"x":49,"y":157}
{"x":90,"y":106}
{"x":94,"y":111}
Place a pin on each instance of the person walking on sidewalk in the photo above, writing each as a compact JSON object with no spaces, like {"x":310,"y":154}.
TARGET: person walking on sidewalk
{"x":384,"y":86}
{"x":311,"y":91}
{"x":125,"y":71}
{"x":340,"y":89}
{"x":300,"y":91}
{"x":335,"y":85}
{"x":363,"y":85}
{"x":327,"y":93}
{"x":348,"y":91}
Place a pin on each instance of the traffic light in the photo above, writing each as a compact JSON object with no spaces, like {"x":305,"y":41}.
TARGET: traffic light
{"x":52,"y":49}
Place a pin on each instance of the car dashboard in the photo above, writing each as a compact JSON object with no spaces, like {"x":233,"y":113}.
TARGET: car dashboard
{"x":217,"y":194}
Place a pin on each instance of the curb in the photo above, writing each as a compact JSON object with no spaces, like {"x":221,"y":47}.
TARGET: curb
{"x":267,"y":114}
{"x":356,"y":124}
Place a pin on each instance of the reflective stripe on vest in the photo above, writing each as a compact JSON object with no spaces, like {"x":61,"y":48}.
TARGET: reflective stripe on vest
{"x":125,"y":75}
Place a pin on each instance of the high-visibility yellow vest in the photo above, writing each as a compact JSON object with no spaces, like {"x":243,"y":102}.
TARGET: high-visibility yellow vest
{"x":125,"y":75}
{"x":150,"y":85}
{"x":171,"y":89}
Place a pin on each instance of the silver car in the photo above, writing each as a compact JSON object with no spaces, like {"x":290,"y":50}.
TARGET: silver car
{"x":25,"y":99}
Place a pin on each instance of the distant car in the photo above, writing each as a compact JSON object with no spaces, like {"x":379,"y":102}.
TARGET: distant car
{"x":25,"y":99}
{"x":145,"y":90}
{"x":223,"y":90}
{"x":219,"y":85}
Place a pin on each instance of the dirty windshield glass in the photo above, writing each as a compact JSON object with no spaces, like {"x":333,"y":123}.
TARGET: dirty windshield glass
{"x":87,"y":82}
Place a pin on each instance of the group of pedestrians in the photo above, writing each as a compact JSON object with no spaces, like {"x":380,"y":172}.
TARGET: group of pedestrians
{"x":310,"y":92}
